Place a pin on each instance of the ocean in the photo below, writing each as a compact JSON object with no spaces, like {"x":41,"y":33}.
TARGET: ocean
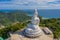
{"x":46,"y":13}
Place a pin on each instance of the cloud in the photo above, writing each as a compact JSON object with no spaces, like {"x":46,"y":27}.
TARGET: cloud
{"x":30,"y":4}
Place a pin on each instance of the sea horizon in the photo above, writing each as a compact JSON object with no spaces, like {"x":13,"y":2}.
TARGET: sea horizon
{"x":45,"y":13}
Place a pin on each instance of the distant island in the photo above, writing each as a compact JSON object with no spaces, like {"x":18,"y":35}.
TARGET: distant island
{"x":16,"y":20}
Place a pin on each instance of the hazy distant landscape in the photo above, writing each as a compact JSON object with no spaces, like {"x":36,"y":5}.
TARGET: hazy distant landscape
{"x":10,"y":16}
{"x":46,"y":13}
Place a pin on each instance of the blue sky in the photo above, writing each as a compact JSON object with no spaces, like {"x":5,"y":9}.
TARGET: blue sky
{"x":29,"y":4}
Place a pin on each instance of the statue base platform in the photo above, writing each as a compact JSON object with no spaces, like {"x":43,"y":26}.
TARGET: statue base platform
{"x":20,"y":36}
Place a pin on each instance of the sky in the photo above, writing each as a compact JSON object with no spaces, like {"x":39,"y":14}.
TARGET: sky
{"x":29,"y":4}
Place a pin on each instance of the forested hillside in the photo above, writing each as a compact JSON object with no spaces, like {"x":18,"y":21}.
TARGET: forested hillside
{"x":11,"y":17}
{"x":53,"y":24}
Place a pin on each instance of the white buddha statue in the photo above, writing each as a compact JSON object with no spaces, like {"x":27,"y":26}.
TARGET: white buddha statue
{"x":35,"y":19}
{"x":33,"y":29}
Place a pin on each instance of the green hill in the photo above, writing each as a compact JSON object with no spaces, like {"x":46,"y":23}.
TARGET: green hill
{"x":11,"y":17}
